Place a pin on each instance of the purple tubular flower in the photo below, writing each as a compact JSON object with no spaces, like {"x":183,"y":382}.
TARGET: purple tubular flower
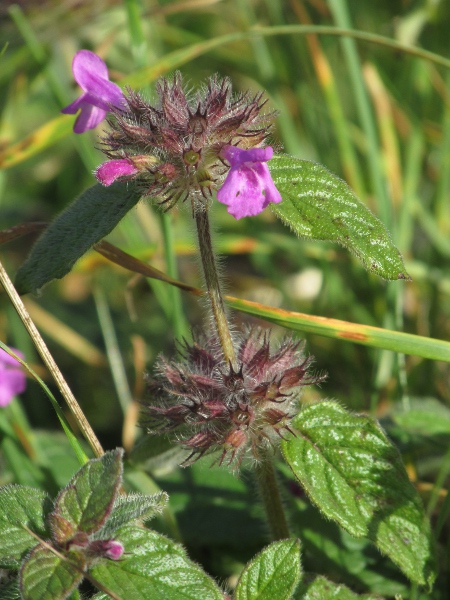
{"x":100,"y":94}
{"x":108,"y":172}
{"x":12,"y":377}
{"x":248,"y":187}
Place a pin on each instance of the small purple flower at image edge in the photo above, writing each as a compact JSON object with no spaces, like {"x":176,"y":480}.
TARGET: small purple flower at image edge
{"x":100,"y":94}
{"x":12,"y":377}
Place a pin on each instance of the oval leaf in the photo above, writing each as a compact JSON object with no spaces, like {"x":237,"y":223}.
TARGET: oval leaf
{"x":20,"y":507}
{"x":355,"y":476}
{"x":273,"y":573}
{"x":85,"y":222}
{"x":85,"y":504}
{"x":318,"y":205}
{"x":156,"y":568}
{"x":45,"y":576}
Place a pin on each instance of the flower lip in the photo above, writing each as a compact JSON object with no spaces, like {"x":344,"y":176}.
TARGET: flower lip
{"x":248,"y":187}
{"x":12,"y":377}
{"x":100,"y":94}
{"x":237,"y":156}
{"x":108,"y":172}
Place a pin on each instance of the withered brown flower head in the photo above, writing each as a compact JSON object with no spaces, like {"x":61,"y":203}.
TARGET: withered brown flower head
{"x":212,"y":407}
{"x":173,"y":147}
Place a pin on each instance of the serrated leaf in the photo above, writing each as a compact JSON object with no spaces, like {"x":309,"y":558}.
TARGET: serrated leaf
{"x":132,"y":507}
{"x":156,"y":568}
{"x":318,"y":205}
{"x":85,"y":504}
{"x":320,"y":588}
{"x":85,"y":222}
{"x":20,"y":507}
{"x":45,"y":576}
{"x":273,"y":573}
{"x":355,"y":476}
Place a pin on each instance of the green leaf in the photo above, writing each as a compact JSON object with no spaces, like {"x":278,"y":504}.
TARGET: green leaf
{"x":45,"y":576}
{"x":319,"y":588}
{"x":355,"y":476}
{"x":318,"y":205}
{"x":132,"y":507}
{"x":156,"y":568}
{"x":85,"y":222}
{"x":273,"y":573}
{"x":85,"y":504}
{"x":20,"y":507}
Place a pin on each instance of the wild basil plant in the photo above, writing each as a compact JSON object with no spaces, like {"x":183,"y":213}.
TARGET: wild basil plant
{"x":231,"y":396}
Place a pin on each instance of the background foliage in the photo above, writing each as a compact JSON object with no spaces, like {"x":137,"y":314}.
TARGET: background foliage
{"x":378,"y":118}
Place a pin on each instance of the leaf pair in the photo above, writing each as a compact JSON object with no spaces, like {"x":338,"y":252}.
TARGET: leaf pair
{"x":55,"y":546}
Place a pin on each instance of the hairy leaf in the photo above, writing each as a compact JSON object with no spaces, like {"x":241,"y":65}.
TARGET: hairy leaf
{"x":20,"y":507}
{"x":85,"y":222}
{"x":273,"y":573}
{"x":318,"y":205}
{"x":132,"y":507}
{"x":85,"y":504}
{"x":355,"y":476}
{"x":156,"y":568}
{"x":45,"y":576}
{"x":319,"y":588}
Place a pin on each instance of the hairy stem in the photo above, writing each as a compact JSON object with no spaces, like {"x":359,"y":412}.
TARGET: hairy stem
{"x":213,"y":286}
{"x":271,"y":498}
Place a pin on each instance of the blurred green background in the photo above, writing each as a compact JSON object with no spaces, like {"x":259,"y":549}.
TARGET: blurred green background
{"x":375,"y":116}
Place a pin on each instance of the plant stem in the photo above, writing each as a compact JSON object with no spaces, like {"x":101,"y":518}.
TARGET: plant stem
{"x":271,"y":499}
{"x":213,"y":286}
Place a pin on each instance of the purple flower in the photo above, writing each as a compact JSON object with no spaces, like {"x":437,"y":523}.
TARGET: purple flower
{"x":106,"y":549}
{"x":100,"y":94}
{"x":108,"y":172}
{"x":248,"y":187}
{"x":12,"y":377}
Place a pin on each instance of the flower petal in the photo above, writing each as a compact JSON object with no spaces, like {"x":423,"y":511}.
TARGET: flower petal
{"x":91,"y":73}
{"x":89,"y":117}
{"x":237,"y":156}
{"x":84,"y":64}
{"x":248,"y":187}
{"x":110,"y":171}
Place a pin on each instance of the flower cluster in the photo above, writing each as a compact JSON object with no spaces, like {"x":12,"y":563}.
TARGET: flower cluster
{"x":12,"y":377}
{"x":186,"y":146}
{"x":212,"y":406}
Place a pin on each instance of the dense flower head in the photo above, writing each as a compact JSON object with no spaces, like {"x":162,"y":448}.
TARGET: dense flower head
{"x":12,"y":377}
{"x":211,"y":406}
{"x":177,"y":148}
